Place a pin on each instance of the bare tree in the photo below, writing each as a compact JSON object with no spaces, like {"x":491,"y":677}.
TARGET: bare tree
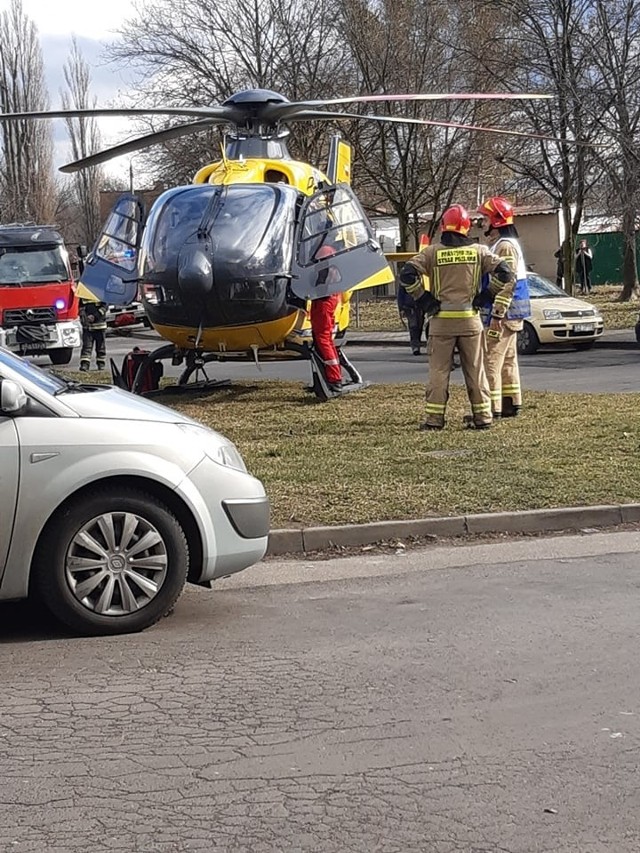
{"x":400,"y":47}
{"x":84,"y":137}
{"x":614,"y":43}
{"x":198,"y":53}
{"x":540,"y":45}
{"x":27,"y":187}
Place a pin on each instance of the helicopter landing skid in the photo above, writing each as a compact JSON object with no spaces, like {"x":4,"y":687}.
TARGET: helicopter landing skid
{"x":320,"y":385}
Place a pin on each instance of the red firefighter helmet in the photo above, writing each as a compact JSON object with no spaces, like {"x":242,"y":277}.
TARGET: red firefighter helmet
{"x":498,"y":210}
{"x":456,"y":218}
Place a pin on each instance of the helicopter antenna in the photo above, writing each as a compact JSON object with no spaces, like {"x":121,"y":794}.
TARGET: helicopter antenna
{"x":223,"y":146}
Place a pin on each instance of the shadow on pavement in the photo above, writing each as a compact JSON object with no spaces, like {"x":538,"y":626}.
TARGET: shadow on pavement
{"x":24,"y":621}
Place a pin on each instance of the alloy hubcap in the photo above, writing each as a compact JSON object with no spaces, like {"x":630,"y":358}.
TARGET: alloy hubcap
{"x":116,"y":564}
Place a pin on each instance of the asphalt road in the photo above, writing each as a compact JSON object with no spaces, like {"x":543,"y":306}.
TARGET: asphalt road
{"x":450,"y":700}
{"x":598,"y":370}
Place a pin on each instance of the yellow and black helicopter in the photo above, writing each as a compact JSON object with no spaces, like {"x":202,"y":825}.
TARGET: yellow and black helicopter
{"x":225,"y":266}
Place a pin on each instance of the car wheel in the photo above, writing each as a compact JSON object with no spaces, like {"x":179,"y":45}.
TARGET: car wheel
{"x":112,"y":563}
{"x":585,"y":345}
{"x":62,"y":355}
{"x":528,"y":342}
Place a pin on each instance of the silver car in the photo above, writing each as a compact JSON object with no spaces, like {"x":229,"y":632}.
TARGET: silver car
{"x":109,"y":502}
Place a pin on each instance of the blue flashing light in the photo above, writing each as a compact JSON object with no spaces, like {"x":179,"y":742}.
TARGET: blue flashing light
{"x":60,"y":304}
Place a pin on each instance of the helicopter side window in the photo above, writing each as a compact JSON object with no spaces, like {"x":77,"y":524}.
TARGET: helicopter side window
{"x":332,"y":220}
{"x":274,"y":176}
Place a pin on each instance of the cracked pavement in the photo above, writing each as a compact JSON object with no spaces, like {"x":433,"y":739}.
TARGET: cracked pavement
{"x":445,"y":700}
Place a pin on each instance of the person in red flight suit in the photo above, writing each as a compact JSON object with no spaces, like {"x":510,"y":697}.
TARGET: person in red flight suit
{"x":322,"y":316}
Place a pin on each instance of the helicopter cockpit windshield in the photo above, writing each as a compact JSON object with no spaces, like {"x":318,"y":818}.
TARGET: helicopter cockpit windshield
{"x":244,"y":231}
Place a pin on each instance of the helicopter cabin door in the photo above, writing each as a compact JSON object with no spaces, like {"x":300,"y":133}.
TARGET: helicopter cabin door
{"x":336,"y":249}
{"x":111,"y":269}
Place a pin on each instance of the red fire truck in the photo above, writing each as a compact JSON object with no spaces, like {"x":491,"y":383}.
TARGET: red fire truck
{"x":38,"y":302}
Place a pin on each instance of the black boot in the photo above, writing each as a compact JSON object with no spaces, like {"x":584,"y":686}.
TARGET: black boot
{"x":426,"y":427}
{"x":509,"y":410}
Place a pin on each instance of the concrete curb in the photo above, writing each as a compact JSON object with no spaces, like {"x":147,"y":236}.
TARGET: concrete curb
{"x":308,"y":539}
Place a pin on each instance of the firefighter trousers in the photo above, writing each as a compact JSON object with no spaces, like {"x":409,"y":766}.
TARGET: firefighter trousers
{"x":503,"y":373}
{"x":89,"y":338}
{"x":471,"y":349}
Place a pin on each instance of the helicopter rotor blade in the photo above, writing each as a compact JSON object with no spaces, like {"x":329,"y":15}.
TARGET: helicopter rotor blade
{"x":228,"y":113}
{"x":285,"y":109}
{"x":138,"y":143}
{"x":310,"y":115}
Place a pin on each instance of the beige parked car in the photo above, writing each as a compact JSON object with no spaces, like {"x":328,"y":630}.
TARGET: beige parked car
{"x":557,"y":318}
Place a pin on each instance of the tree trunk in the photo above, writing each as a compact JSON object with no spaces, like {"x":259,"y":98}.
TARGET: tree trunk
{"x":568,"y":252}
{"x":629,"y":267}
{"x":403,"y":227}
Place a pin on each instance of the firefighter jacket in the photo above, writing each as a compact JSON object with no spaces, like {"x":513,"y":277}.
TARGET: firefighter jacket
{"x":93,"y":316}
{"x":455,"y":274}
{"x":518,"y":307}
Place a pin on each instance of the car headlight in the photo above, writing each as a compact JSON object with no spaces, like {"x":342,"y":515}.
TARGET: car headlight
{"x":217,"y":448}
{"x":552,"y":314}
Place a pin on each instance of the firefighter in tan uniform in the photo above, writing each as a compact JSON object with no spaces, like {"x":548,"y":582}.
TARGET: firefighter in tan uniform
{"x":502,"y":316}
{"x":455,"y":267}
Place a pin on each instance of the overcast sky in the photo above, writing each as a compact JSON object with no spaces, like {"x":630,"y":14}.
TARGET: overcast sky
{"x":57,"y":21}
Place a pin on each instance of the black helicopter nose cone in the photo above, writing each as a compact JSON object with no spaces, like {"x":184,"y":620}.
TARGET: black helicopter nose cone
{"x":195,"y":274}
{"x":255,"y":96}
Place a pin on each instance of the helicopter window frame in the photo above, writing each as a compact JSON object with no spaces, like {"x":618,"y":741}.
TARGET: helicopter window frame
{"x":336,"y":226}
{"x":119,"y":240}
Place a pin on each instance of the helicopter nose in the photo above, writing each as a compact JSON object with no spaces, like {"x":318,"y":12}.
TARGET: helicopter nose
{"x":195,"y":273}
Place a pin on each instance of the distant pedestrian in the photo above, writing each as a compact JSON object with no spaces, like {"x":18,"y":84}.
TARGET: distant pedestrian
{"x":584,"y":266}
{"x":559,"y":266}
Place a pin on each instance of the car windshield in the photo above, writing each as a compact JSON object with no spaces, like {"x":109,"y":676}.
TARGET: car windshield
{"x":542,"y":288}
{"x":21,"y":265}
{"x":45,"y":381}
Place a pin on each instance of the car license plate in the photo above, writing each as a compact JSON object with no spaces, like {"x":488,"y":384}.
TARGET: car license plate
{"x":584,"y":327}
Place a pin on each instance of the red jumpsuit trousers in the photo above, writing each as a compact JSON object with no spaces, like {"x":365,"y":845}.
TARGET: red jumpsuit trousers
{"x":322,"y":321}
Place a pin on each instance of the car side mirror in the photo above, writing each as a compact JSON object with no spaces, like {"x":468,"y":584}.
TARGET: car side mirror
{"x":13,"y":398}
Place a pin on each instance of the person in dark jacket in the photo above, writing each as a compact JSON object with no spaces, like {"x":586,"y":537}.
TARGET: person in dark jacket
{"x":93,"y":316}
{"x":584,"y":265}
{"x":559,"y":267}
{"x":415,"y":317}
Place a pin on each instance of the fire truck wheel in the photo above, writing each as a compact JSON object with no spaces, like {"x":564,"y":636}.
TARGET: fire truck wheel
{"x":61,"y":355}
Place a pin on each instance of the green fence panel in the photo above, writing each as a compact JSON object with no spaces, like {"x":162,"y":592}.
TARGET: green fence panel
{"x":607,"y":256}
